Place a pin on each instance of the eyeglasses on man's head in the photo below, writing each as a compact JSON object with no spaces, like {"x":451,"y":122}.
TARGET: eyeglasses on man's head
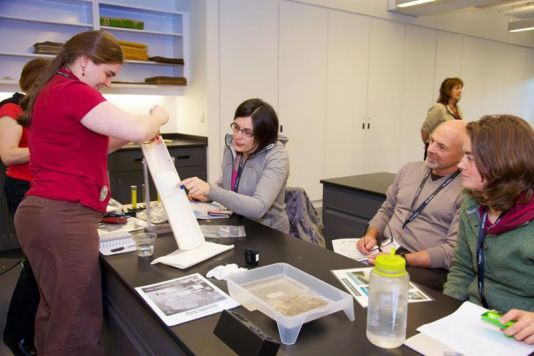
{"x":246,"y":132}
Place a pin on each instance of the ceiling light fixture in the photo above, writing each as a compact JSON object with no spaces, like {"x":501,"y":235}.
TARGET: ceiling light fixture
{"x":413,"y":3}
{"x":521,"y":25}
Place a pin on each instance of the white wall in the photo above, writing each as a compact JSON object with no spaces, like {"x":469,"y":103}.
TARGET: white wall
{"x":298,"y":56}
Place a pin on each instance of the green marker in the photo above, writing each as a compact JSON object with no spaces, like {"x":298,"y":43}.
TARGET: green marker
{"x":494,"y":318}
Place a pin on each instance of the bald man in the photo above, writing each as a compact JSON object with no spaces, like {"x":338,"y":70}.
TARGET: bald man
{"x":421,"y":211}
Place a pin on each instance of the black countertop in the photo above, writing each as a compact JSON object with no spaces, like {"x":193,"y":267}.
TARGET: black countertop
{"x":375,"y":183}
{"x":176,"y":140}
{"x":333,"y":334}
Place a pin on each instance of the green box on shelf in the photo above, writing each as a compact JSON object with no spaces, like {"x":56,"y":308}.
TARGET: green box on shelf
{"x":121,"y":22}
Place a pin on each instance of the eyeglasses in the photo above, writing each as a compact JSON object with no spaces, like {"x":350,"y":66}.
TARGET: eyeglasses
{"x":380,"y":246}
{"x":246,"y":132}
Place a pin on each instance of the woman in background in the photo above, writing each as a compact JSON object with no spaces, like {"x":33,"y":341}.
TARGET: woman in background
{"x":494,"y":262}
{"x":73,"y":128}
{"x":446,"y":108}
{"x":20,"y":322}
{"x":255,"y":168}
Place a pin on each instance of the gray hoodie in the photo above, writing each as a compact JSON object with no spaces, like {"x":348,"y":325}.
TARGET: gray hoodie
{"x":262,"y":186}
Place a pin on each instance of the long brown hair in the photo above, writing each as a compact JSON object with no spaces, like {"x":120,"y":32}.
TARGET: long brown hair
{"x":99,"y":46}
{"x":503,"y":149}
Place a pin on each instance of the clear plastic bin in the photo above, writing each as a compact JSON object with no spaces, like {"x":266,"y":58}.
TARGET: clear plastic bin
{"x":289,"y":296}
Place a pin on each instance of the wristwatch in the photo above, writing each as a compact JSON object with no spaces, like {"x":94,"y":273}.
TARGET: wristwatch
{"x":403,"y":255}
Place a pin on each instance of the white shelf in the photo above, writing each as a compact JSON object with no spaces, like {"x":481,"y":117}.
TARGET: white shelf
{"x":122,"y":29}
{"x":139,"y":8}
{"x":29,"y":19}
{"x":151,"y":63}
{"x":30,"y":55}
{"x":26,"y":22}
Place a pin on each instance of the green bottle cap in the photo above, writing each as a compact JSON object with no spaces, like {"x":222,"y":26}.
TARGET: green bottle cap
{"x":390,"y":265}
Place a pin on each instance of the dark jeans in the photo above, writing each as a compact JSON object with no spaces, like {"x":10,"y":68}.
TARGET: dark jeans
{"x":20,"y":321}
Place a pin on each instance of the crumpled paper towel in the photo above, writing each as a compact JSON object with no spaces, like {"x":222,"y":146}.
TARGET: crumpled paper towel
{"x":222,"y":271}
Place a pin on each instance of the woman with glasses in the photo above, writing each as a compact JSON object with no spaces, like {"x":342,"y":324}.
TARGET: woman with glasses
{"x":494,"y":262}
{"x":255,"y":168}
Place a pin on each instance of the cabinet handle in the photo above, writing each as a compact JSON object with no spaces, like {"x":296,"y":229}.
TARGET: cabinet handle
{"x":183,"y":157}
{"x":363,"y":125}
{"x":368,"y":125}
{"x":138,"y":160}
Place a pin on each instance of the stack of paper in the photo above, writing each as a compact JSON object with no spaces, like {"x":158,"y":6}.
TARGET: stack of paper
{"x":464,"y":332}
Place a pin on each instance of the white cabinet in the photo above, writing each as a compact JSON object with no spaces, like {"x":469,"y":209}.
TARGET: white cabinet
{"x":25,"y":22}
{"x":417,"y":91}
{"x":346,"y":96}
{"x":384,"y":91}
{"x":302,"y":91}
{"x":248,"y":57}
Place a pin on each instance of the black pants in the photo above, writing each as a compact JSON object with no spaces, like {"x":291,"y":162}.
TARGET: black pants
{"x":20,"y":322}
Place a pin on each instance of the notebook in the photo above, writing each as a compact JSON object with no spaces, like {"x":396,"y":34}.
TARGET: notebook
{"x":115,"y":239}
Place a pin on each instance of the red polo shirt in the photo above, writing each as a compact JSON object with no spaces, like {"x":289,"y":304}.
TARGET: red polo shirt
{"x":67,"y":160}
{"x":17,"y":171}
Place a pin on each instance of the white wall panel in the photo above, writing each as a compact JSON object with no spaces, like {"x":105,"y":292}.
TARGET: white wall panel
{"x":248,"y":55}
{"x":386,"y":55}
{"x":417,"y":91}
{"x":348,"y":45}
{"x":302,"y":91}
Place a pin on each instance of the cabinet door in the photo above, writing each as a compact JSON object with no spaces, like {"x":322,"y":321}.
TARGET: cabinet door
{"x":302,"y":91}
{"x":483,"y":64}
{"x":417,"y":91}
{"x":386,"y":52}
{"x":346,"y":96}
{"x":248,"y":55}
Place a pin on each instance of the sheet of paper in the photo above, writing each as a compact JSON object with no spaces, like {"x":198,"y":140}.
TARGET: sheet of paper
{"x":184,"y":299}
{"x":466,"y":333}
{"x":347,"y":248}
{"x":428,"y":346}
{"x":356,"y":281}
{"x":181,"y":218}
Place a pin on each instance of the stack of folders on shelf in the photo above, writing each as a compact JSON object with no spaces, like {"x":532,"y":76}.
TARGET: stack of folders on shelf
{"x":115,"y":239}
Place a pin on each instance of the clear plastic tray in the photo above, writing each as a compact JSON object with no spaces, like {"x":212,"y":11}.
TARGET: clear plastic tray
{"x":289,"y":296}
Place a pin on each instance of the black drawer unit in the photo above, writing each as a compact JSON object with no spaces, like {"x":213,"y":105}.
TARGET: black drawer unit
{"x":126,"y":168}
{"x":350,"y":202}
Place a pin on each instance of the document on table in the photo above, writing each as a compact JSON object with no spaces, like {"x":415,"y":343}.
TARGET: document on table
{"x":466,"y":333}
{"x":184,"y":299}
{"x":356,"y":281}
{"x":347,"y":248}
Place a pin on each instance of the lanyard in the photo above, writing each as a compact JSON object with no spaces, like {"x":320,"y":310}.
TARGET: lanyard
{"x":480,"y":259}
{"x":66,"y":75}
{"x":240,"y":168}
{"x":423,"y":205}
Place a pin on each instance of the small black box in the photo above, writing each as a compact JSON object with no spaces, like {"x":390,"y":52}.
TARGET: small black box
{"x":242,"y":336}
{"x":252,"y":257}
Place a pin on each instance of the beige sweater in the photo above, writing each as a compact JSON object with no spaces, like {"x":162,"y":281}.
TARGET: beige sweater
{"x":435,"y":229}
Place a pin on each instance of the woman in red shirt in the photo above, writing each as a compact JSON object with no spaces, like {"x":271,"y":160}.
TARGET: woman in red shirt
{"x":73,"y":128}
{"x":19,"y":329}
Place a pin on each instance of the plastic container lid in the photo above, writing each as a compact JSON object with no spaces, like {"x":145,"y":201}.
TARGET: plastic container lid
{"x":391,"y":265}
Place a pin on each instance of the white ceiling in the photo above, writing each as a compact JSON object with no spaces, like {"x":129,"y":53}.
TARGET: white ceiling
{"x":513,"y":9}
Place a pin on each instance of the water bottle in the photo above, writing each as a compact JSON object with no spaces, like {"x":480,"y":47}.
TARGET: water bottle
{"x":388,"y":301}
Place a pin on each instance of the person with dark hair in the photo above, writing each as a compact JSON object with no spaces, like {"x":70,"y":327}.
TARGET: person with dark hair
{"x":14,"y":152}
{"x":255,"y":168}
{"x":446,"y":108}
{"x":72,"y":128}
{"x":494,"y":261}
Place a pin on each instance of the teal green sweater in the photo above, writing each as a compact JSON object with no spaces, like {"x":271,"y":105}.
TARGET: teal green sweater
{"x":509,"y":267}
